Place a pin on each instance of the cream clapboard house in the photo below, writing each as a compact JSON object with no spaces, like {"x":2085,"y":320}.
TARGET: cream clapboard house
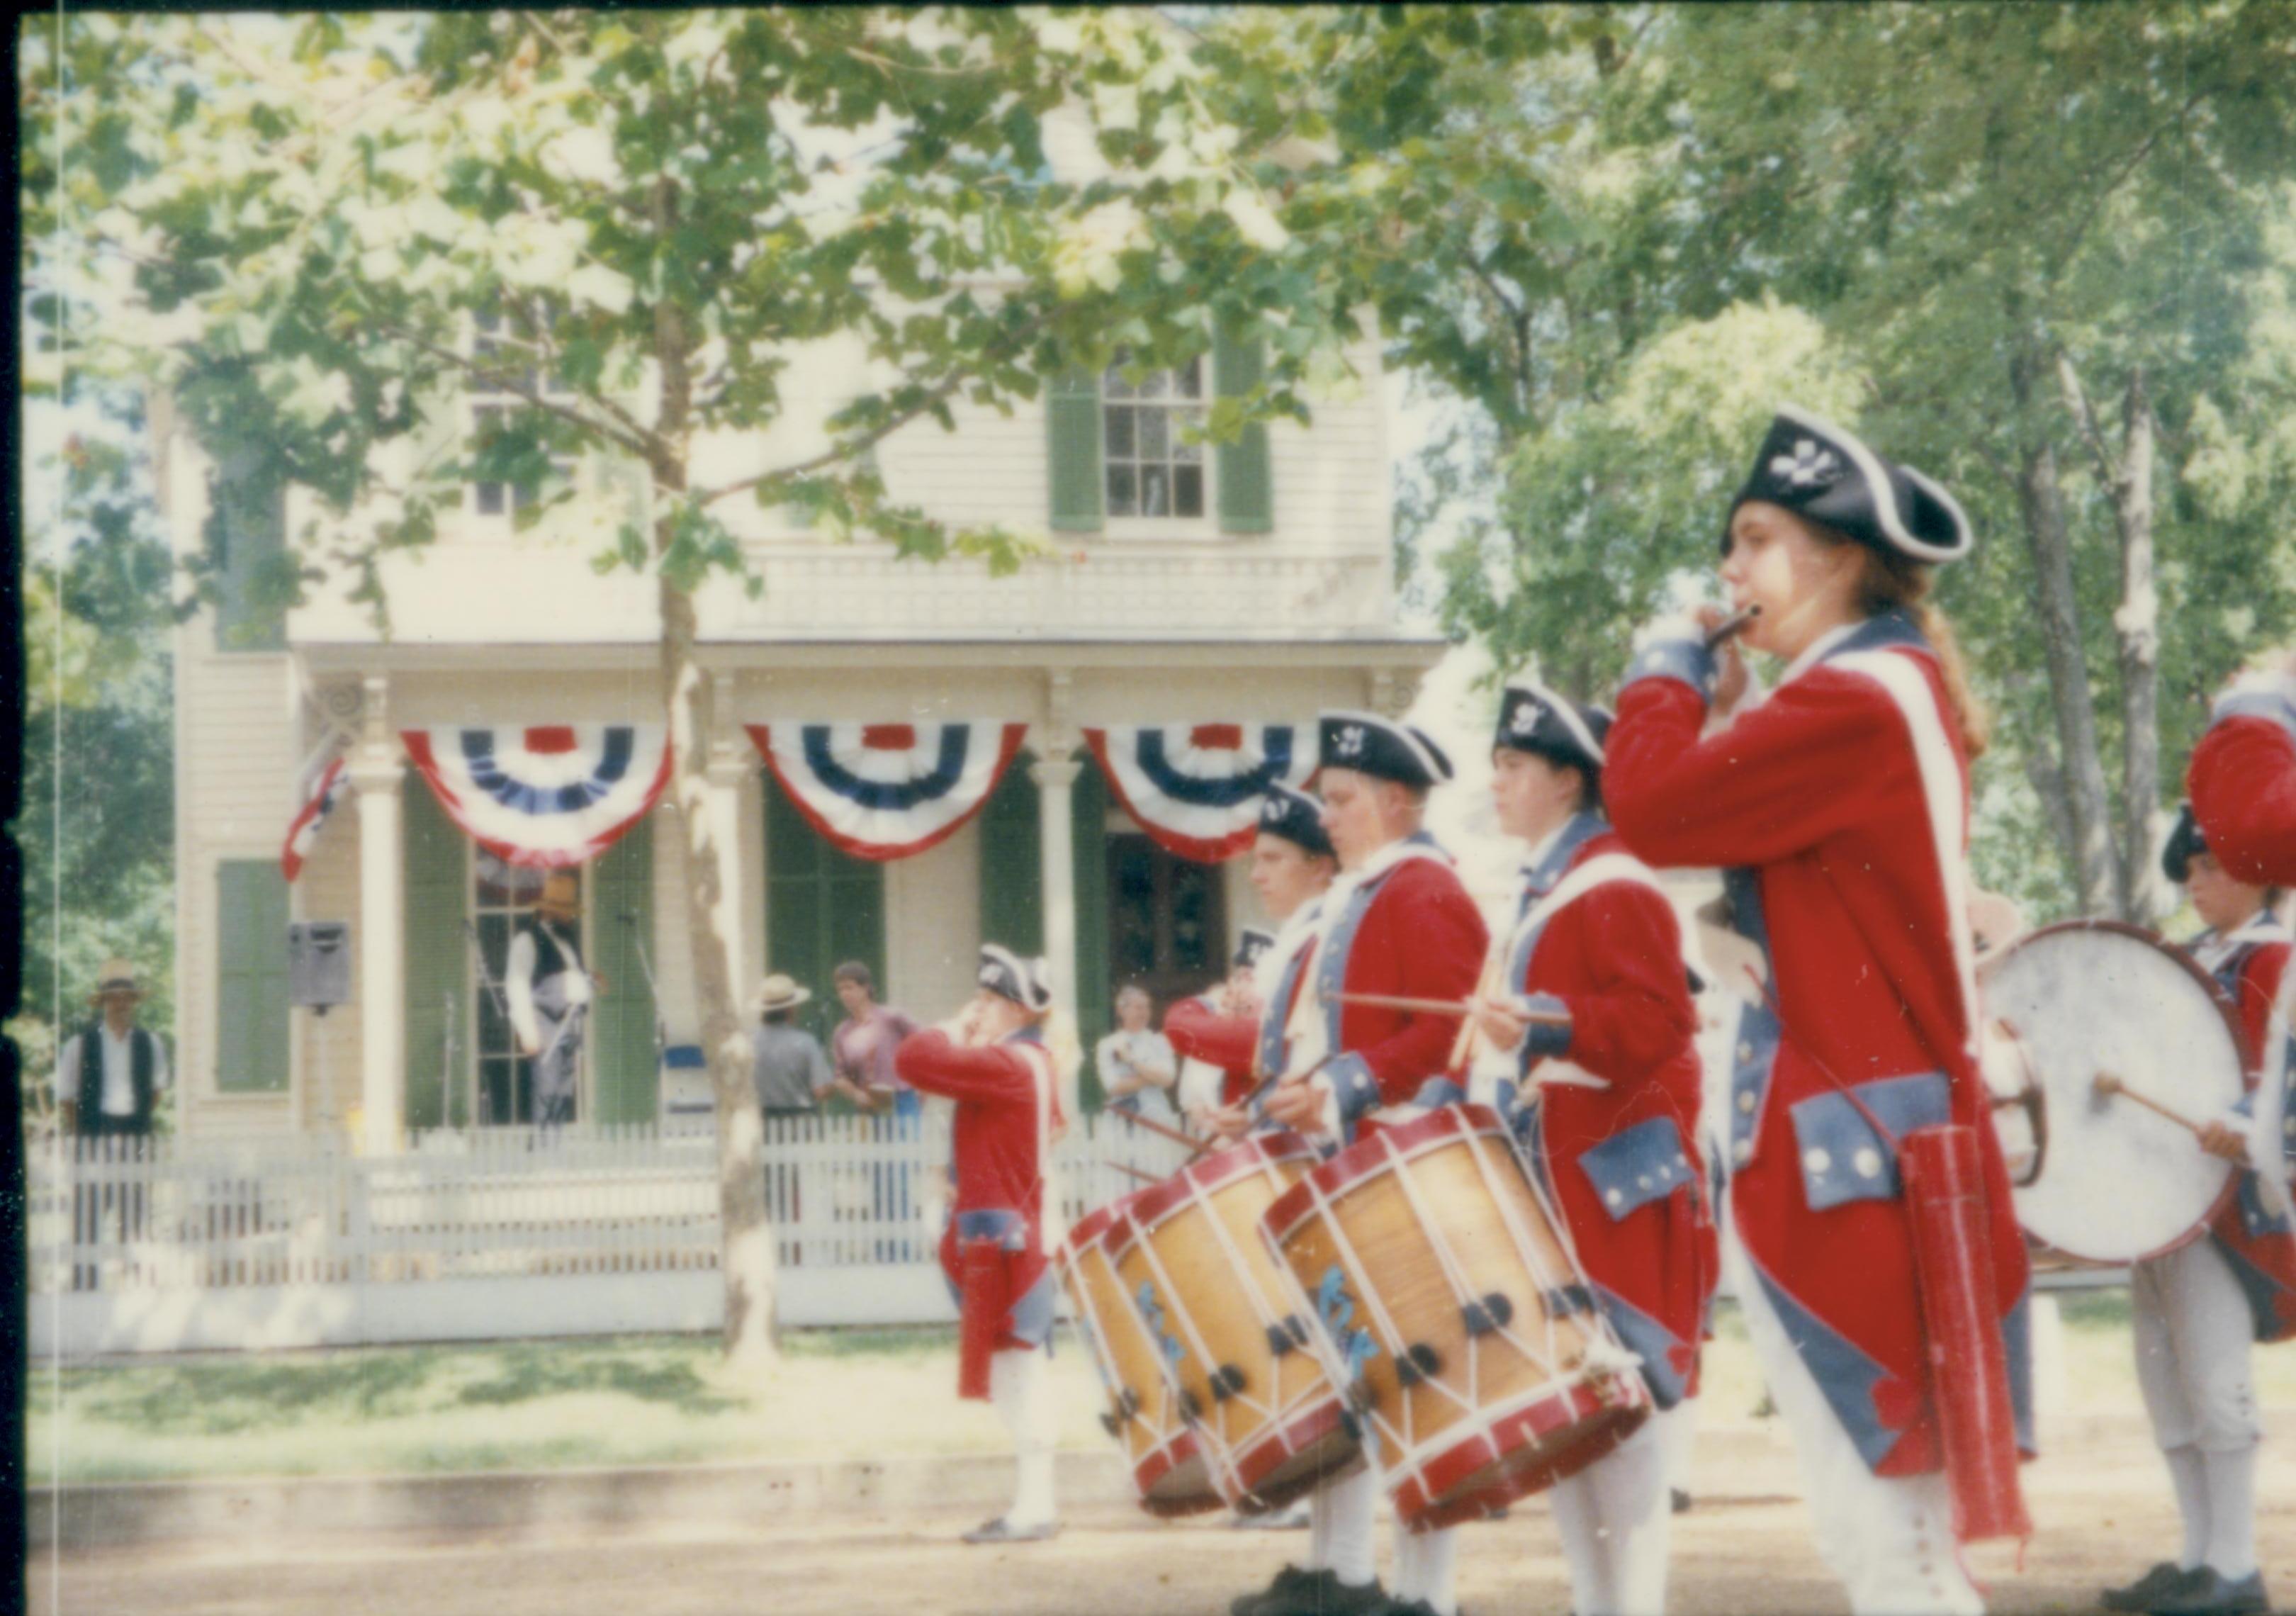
{"x":1259,"y":593}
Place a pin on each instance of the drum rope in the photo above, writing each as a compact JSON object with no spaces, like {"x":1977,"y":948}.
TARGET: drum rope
{"x":1527,"y":1249}
{"x":1186,"y":1318}
{"x":1446,"y":1259}
{"x":1270,"y":1322}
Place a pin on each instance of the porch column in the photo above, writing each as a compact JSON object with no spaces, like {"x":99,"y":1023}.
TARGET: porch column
{"x":375,"y":774}
{"x":1055,"y":774}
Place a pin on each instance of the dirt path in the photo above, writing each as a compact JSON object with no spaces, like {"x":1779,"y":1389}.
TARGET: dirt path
{"x":2102,"y":1511}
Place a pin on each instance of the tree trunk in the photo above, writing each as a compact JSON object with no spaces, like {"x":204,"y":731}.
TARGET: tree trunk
{"x":2128,"y":479}
{"x":746,"y":1254}
{"x":2091,"y":855}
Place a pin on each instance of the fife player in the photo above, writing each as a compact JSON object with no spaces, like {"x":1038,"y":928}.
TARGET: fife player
{"x":992,"y":1060}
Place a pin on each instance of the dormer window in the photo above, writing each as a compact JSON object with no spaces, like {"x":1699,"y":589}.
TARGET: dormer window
{"x":1151,"y":469}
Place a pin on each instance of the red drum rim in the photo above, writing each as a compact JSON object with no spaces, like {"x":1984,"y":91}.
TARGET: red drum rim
{"x":1089,"y":1228}
{"x":2224,"y":1008}
{"x":1370,"y":1156}
{"x":1159,"y":1461}
{"x":1419,"y":1500}
{"x":1273,"y":1448}
{"x":1148,"y":1207}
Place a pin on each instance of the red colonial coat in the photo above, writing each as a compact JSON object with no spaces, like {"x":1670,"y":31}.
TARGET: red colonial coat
{"x":1623,"y":1162}
{"x":1405,"y":928}
{"x":1823,"y":794}
{"x":2242,"y":783}
{"x":1199,"y":1031}
{"x":1006,"y":1108}
{"x":2260,"y":1245}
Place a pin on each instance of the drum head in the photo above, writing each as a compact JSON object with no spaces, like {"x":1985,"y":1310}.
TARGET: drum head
{"x":2119,"y":1182}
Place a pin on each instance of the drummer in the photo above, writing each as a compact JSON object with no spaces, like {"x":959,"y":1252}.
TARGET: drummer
{"x":991,"y":1059}
{"x":1292,"y":866}
{"x":2196,"y":1308}
{"x":2242,"y":774}
{"x":1206,"y":1087}
{"x":1397,"y":923}
{"x":1595,"y":957}
{"x":1842,"y":797}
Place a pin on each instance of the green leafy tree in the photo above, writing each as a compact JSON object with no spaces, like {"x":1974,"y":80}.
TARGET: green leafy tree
{"x":294,"y":229}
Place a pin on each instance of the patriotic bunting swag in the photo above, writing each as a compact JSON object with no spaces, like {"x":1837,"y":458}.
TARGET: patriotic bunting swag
{"x":1195,"y":787}
{"x":548,"y":796}
{"x":886,"y":790}
{"x":325,"y":788}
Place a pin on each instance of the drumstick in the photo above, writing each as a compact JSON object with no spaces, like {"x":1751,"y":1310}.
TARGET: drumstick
{"x":1458,"y":1007}
{"x":1134,"y":1171}
{"x":2108,"y":1085}
{"x":1158,"y":1128}
{"x":1729,"y":626}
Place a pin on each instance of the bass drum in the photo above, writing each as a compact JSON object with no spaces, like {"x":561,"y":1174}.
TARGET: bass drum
{"x":2119,"y":1182}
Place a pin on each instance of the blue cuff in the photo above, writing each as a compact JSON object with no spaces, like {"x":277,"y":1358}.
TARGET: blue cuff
{"x":1687,"y":659}
{"x":1541,"y":1039}
{"x":1352,"y":1085}
{"x":2273,"y":698}
{"x":1437,"y":1092}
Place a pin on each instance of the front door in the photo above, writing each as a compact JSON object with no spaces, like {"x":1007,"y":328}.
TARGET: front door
{"x":1167,"y":920}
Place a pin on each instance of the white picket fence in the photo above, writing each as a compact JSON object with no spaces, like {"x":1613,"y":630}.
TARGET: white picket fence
{"x":165,"y":1245}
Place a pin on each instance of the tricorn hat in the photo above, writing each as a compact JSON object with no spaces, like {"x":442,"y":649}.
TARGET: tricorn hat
{"x":2184,"y":841}
{"x":1297,"y":817}
{"x":1026,"y":982}
{"x":1382,"y":748}
{"x":1533,"y":719}
{"x":1826,"y":474}
{"x":1251,"y":943}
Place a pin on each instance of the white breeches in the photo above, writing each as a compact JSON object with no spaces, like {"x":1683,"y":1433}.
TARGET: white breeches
{"x":1614,"y":1517}
{"x":2193,"y":1334}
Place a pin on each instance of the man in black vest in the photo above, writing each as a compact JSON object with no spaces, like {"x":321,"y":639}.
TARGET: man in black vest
{"x":109,"y":1075}
{"x":550,"y":993}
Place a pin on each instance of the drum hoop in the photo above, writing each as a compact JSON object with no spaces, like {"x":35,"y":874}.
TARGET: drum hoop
{"x":1093,"y":1225}
{"x":2226,"y":1011}
{"x":1215,"y":1172}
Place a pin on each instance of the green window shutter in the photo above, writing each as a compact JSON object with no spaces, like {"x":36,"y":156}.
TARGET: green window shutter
{"x":246,"y":533}
{"x":1095,"y":1014}
{"x":1072,"y":429}
{"x":623,"y":1064}
{"x":822,"y":907}
{"x":1012,"y":869}
{"x":252,"y":1051}
{"x":435,"y":962}
{"x":1247,"y":499}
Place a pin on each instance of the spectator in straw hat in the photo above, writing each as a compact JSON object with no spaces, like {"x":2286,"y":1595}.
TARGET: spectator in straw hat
{"x":109,"y":1075}
{"x":787,"y":1063}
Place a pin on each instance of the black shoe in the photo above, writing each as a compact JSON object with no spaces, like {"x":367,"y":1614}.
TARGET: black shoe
{"x":2207,"y":1594}
{"x":2163,"y":1581}
{"x":1001,"y":1530}
{"x":1681,"y":1500}
{"x":1317,"y":1594}
{"x":1288,"y":1582}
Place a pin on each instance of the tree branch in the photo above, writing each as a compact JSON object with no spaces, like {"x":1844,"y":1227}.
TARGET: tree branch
{"x":645,"y":445}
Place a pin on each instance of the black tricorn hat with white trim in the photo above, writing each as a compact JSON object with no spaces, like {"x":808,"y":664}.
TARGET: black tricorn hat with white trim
{"x":1382,"y":748}
{"x":2184,"y":841}
{"x":1025,"y":981}
{"x":1251,"y":943}
{"x":1533,"y":719}
{"x":1297,"y":817}
{"x":1827,"y":474}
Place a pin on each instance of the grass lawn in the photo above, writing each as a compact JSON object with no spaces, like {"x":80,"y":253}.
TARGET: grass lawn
{"x":661,"y":1400}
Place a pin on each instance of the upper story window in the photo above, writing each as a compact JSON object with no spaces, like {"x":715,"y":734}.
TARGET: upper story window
{"x":1150,"y":468}
{"x":497,"y":343}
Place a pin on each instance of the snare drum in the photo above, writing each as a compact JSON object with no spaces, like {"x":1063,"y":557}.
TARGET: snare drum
{"x":1143,"y":1408}
{"x":1455,"y":1310}
{"x":1266,"y":1416}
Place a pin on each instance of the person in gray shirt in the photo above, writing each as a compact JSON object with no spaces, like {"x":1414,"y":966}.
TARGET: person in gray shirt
{"x":787,"y":1063}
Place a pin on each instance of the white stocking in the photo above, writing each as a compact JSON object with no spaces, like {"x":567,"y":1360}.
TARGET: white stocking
{"x":1021,"y":1391}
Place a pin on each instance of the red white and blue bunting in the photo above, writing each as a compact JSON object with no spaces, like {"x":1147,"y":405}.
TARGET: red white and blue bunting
{"x":1194,"y":788}
{"x":322,"y":789}
{"x":887,"y":790}
{"x":549,"y":795}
